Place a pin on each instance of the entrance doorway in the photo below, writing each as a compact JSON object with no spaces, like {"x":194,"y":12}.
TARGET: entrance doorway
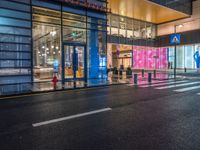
{"x":74,"y":62}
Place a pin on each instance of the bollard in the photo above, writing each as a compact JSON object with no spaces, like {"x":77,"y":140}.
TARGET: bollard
{"x":135,"y":78}
{"x":149,"y":77}
{"x":154,"y":73}
{"x":142,"y":72}
{"x":74,"y":83}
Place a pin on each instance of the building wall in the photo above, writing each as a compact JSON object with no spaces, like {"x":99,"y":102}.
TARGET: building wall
{"x":191,"y":23}
{"x":15,"y":45}
{"x":33,"y":34}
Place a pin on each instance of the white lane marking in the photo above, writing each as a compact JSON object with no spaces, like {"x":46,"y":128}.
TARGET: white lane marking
{"x":198,"y":93}
{"x":187,"y":89}
{"x":70,"y":117}
{"x":166,"y":83}
{"x":154,"y":82}
{"x":179,"y":85}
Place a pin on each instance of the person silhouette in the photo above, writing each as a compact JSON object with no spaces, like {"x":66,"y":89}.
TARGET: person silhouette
{"x":197,"y":59}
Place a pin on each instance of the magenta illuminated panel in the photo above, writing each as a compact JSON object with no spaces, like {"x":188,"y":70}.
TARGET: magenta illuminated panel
{"x":150,"y":58}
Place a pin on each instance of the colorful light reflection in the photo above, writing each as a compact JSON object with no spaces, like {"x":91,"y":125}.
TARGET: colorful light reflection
{"x":150,"y":58}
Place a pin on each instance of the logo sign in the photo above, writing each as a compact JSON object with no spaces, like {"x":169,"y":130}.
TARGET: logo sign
{"x":175,"y":39}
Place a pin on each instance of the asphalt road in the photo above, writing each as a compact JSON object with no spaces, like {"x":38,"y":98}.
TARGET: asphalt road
{"x":108,"y":118}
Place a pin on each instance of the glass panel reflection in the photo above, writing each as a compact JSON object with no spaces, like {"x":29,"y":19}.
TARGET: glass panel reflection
{"x":69,"y":72}
{"x":74,"y":61}
{"x":47,"y":52}
{"x":80,"y":69}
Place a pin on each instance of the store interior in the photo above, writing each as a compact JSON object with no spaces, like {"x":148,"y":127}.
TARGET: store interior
{"x":47,"y":51}
{"x":152,"y":58}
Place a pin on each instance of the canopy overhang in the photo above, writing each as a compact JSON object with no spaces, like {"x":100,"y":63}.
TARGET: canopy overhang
{"x":145,"y":10}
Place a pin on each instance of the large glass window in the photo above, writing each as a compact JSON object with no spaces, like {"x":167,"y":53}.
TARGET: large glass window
{"x":74,"y":29}
{"x":130,"y":28}
{"x":180,"y":57}
{"x":143,"y":30}
{"x":114,"y":25}
{"x":150,"y":58}
{"x":171,"y":57}
{"x":196,"y":56}
{"x":122,"y":27}
{"x":96,"y":48}
{"x":74,"y":35}
{"x":46,"y":44}
{"x":189,"y":59}
{"x":186,"y":57}
{"x":136,"y":29}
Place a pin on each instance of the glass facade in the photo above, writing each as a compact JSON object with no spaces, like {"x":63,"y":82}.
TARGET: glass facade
{"x":187,"y":57}
{"x":57,"y":30}
{"x":150,"y":58}
{"x":46,"y":44}
{"x":41,"y":39}
{"x":15,"y":46}
{"x":143,"y":57}
{"x":130,"y":28}
{"x":137,"y":57}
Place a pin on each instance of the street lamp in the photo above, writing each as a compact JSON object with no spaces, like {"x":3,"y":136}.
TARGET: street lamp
{"x":175,"y":26}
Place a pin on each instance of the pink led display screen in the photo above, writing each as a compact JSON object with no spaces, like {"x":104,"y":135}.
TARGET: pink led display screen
{"x":149,"y":58}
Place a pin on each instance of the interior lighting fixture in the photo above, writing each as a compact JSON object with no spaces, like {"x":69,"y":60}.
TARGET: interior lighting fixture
{"x":53,"y":33}
{"x":180,"y":25}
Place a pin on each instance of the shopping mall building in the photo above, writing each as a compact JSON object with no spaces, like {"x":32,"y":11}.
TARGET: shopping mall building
{"x":80,"y":41}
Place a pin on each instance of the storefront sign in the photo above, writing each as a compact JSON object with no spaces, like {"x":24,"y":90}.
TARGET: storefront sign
{"x":84,"y":4}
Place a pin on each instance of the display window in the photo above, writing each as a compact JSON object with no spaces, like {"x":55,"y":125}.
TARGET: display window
{"x":46,"y":44}
{"x":188,"y":56}
{"x":130,"y":28}
{"x":149,"y":58}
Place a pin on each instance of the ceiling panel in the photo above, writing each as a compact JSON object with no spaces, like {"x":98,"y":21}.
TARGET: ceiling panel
{"x":144,"y":10}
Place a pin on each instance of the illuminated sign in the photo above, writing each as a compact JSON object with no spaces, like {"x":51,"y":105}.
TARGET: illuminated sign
{"x":175,"y":39}
{"x":84,"y":4}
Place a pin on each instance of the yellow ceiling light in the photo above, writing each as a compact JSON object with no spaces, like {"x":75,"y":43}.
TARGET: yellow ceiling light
{"x":144,"y":10}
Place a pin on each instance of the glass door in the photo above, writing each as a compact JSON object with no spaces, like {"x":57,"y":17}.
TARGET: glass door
{"x":69,"y":70}
{"x":74,"y":62}
{"x":80,"y":62}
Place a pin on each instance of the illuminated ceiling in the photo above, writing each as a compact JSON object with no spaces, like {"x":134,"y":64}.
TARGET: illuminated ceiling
{"x":144,"y":10}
